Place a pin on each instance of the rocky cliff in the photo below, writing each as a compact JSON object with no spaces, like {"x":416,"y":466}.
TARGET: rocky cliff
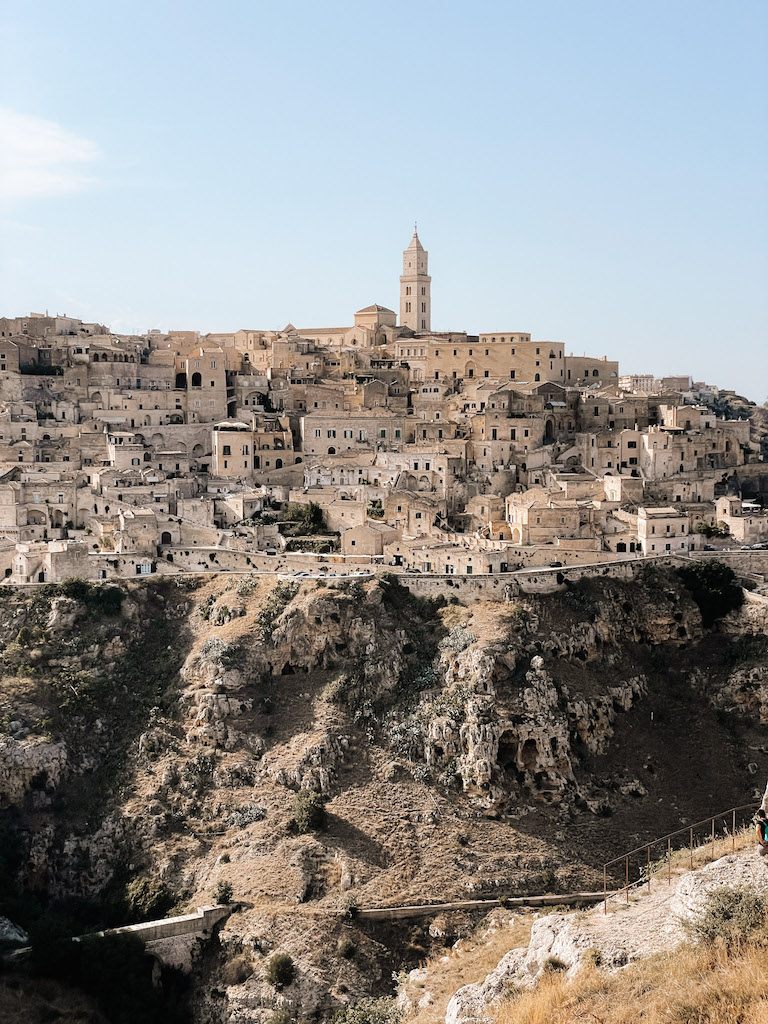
{"x":156,"y":735}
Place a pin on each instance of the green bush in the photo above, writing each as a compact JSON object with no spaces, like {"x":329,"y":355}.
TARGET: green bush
{"x":713,"y":587}
{"x":309,"y":813}
{"x":280,"y":970}
{"x":281,"y":596}
{"x":369,"y":1011}
{"x":730,"y":916}
{"x":107,"y":600}
{"x":706,"y":530}
{"x":147,"y":899}
{"x":223,"y":892}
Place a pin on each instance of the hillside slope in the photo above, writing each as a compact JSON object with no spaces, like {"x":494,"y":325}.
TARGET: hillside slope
{"x":156,"y":736}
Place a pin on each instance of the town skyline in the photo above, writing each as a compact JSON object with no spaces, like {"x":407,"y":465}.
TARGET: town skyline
{"x":593,"y":173}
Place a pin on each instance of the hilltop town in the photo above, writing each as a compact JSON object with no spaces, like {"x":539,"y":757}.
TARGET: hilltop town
{"x":337,"y":449}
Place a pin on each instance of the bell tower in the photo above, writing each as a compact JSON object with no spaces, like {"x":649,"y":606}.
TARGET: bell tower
{"x":415,"y":282}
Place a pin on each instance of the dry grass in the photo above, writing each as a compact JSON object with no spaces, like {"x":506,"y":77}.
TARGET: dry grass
{"x":470,"y":960}
{"x":692,"y":985}
{"x":680,"y":861}
{"x":708,"y":852}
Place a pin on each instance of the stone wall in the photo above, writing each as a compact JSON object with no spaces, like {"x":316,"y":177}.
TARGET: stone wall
{"x":528,"y":581}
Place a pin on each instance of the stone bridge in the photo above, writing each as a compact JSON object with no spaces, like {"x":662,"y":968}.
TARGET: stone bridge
{"x":175,"y":941}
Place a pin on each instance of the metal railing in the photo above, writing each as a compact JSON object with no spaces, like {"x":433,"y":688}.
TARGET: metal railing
{"x":699,"y":835}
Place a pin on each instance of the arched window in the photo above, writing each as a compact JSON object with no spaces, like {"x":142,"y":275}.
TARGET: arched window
{"x":197,"y":380}
{"x":537,"y":377}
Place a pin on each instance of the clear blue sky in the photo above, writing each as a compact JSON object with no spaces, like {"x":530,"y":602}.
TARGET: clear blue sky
{"x":591,"y":171}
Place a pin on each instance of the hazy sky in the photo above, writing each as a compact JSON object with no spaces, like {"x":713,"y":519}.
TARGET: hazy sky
{"x":592,"y":171}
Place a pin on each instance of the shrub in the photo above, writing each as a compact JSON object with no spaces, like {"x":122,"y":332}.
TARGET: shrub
{"x":237,"y":970}
{"x":147,"y":899}
{"x":347,"y":948}
{"x":107,"y":600}
{"x":246,"y":815}
{"x":219,"y":650}
{"x":712,"y":531}
{"x":309,"y":811}
{"x":713,"y":587}
{"x":457,"y":640}
{"x":553,"y":965}
{"x":223,"y":891}
{"x":369,"y":1011}
{"x":349,"y":906}
{"x":280,"y":970}
{"x":281,"y":596}
{"x":549,"y":880}
{"x":730,"y":916}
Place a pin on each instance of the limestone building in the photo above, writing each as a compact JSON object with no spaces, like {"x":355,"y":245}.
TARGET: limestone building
{"x":415,"y":284}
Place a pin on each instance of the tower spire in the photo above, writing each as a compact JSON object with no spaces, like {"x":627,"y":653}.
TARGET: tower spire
{"x":415,"y":287}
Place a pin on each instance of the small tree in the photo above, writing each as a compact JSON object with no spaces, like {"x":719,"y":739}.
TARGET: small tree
{"x":280,"y":970}
{"x":713,"y":587}
{"x":309,"y":811}
{"x":223,"y":892}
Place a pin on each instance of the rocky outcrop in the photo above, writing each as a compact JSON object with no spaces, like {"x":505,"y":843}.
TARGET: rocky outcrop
{"x":32,"y":764}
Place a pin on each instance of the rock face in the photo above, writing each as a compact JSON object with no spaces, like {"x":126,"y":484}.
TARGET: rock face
{"x":29,"y":764}
{"x":460,"y":752}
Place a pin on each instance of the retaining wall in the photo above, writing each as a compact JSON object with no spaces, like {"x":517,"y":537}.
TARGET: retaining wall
{"x":426,"y":910}
{"x":503,"y":586}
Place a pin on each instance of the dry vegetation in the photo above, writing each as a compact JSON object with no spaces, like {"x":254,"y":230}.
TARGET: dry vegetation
{"x":682,"y":860}
{"x":693,"y":985}
{"x":469,"y":960}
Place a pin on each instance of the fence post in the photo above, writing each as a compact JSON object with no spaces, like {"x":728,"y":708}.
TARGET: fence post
{"x":649,"y":869}
{"x":626,"y":874}
{"x":669,"y":861}
{"x":733,"y":833}
{"x":605,"y":887}
{"x":713,"y":837}
{"x":691,"y":849}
